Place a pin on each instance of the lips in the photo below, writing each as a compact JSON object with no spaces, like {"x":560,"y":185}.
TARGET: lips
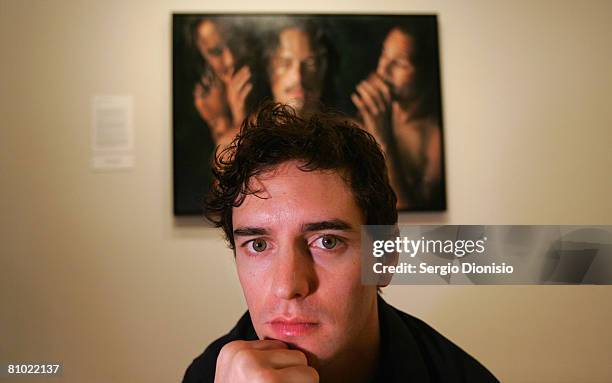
{"x":295,"y":92}
{"x":292,"y":327}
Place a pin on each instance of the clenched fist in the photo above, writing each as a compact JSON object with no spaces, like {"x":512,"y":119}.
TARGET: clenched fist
{"x":263,"y":361}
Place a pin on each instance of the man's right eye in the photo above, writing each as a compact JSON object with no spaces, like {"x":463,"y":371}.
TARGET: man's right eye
{"x":258,"y":245}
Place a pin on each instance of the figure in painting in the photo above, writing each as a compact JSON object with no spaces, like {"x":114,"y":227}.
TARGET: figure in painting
{"x":397,"y":104}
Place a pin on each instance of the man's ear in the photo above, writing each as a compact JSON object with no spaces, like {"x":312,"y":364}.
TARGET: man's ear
{"x":390,"y":259}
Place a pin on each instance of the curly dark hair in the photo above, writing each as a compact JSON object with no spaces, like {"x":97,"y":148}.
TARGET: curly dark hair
{"x":323,"y":141}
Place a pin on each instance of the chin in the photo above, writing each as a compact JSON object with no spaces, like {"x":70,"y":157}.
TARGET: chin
{"x":297,"y":104}
{"x":314,"y":344}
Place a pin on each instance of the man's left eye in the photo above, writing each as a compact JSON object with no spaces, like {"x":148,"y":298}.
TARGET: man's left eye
{"x":259,"y":245}
{"x":327,"y":242}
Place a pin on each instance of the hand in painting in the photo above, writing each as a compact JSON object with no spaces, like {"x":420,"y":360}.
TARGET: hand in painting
{"x":373,"y":101}
{"x":210,"y":102}
{"x":238,"y":89}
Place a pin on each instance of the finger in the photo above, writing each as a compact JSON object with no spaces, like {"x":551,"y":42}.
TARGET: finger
{"x":243,"y":72}
{"x":377,"y":97}
{"x":244,"y":92}
{"x":281,"y":358}
{"x":236,"y":88}
{"x":228,"y":76}
{"x":241,"y":77}
{"x":365,"y":113}
{"x":298,"y":374}
{"x":382,"y":87}
{"x":243,"y":349}
{"x":359,"y":104}
{"x":367,"y":99}
{"x":266,"y":344}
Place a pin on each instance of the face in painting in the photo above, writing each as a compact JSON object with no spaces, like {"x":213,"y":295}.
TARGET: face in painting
{"x":395,"y":66}
{"x":296,"y":70}
{"x":213,"y":47}
{"x":298,"y":260}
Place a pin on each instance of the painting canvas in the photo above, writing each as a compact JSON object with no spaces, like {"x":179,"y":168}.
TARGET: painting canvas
{"x":381,"y":72}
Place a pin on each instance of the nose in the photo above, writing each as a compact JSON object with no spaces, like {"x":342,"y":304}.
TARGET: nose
{"x":294,"y":276}
{"x":295,"y":74}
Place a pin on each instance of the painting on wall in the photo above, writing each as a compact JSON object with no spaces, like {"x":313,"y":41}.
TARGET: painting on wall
{"x":381,"y":71}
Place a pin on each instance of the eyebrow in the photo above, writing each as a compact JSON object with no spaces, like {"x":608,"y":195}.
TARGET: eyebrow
{"x":250,"y":231}
{"x":334,"y":224}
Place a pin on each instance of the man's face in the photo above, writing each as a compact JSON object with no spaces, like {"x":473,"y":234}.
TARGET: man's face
{"x":213,"y":47}
{"x":395,"y":66}
{"x":296,"y":70}
{"x":298,"y":260}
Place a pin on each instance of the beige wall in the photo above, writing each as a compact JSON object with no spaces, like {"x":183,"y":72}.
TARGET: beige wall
{"x":96,"y":272}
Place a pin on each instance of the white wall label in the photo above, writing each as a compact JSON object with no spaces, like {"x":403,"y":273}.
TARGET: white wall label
{"x":112,"y":132}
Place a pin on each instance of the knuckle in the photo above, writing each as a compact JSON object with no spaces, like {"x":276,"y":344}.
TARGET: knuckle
{"x":301,"y":356}
{"x":263,"y":375}
{"x":230,"y":349}
{"x":314,"y":375}
{"x":243,"y":357}
{"x":235,"y":345}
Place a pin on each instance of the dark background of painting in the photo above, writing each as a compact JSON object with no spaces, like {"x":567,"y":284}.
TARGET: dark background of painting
{"x":356,"y":43}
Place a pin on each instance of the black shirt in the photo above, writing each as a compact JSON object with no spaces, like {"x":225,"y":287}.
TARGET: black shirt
{"x":411,"y":351}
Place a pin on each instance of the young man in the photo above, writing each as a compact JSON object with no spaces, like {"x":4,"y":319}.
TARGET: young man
{"x":291,"y":195}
